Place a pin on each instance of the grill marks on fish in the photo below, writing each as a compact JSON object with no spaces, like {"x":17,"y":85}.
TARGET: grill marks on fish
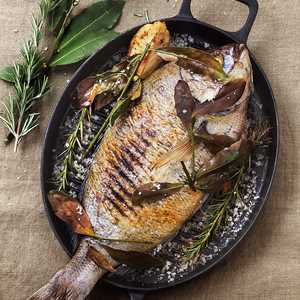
{"x":126,"y":166}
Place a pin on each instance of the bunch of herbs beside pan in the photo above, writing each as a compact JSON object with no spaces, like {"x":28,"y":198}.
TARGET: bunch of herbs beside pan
{"x":75,"y":38}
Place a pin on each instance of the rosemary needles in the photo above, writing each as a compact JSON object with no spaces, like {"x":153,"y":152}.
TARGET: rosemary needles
{"x":29,"y":79}
{"x":216,"y":215}
{"x":72,"y":142}
{"x":30,"y":83}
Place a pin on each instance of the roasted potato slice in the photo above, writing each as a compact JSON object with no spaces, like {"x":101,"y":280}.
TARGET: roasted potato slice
{"x":157,"y":36}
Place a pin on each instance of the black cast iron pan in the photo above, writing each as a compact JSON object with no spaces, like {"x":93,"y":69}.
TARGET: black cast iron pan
{"x":184,"y":22}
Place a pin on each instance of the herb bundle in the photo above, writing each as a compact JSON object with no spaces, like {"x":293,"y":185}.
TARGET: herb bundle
{"x":75,"y":38}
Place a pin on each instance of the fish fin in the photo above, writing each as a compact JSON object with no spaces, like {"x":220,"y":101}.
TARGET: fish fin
{"x":75,"y":281}
{"x":138,"y":260}
{"x":56,"y":289}
{"x":181,"y":151}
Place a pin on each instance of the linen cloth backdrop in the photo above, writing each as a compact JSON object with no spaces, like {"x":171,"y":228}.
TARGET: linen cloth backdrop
{"x":265,"y":265}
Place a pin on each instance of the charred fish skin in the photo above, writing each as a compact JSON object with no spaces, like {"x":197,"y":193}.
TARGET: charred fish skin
{"x":125,"y":160}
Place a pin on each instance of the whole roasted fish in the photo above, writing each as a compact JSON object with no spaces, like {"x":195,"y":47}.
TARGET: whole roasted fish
{"x":129,"y":157}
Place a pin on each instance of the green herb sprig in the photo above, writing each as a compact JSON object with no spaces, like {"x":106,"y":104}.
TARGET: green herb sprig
{"x":217,"y":211}
{"x":29,"y":78}
{"x":75,"y":38}
{"x":74,"y":140}
{"x":30,"y":83}
{"x":216,"y":215}
{"x":122,"y":101}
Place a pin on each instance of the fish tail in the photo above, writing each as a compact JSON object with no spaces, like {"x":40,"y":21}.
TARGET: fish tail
{"x":75,"y":281}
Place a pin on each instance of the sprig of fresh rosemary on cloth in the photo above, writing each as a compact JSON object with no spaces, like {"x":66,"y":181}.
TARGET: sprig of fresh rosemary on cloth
{"x":75,"y":38}
{"x":29,"y":78}
{"x":30,"y":84}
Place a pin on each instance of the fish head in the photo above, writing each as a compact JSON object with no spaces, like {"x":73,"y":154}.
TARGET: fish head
{"x":228,"y":125}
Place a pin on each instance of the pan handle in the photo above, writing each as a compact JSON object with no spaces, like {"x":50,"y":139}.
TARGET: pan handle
{"x":243,"y":33}
{"x":134,"y":295}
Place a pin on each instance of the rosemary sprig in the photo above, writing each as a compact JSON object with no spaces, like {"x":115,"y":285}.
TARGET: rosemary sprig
{"x":29,"y":79}
{"x":216,"y":215}
{"x":72,"y":142}
{"x":217,"y":211}
{"x":122,"y":101}
{"x":30,"y":84}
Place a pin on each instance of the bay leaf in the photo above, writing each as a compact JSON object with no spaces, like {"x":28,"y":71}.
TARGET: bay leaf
{"x":221,"y":161}
{"x":184,"y":103}
{"x":154,"y":191}
{"x":195,"y":60}
{"x":228,"y":96}
{"x":82,"y":47}
{"x":88,"y":32}
{"x":57,"y":14}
